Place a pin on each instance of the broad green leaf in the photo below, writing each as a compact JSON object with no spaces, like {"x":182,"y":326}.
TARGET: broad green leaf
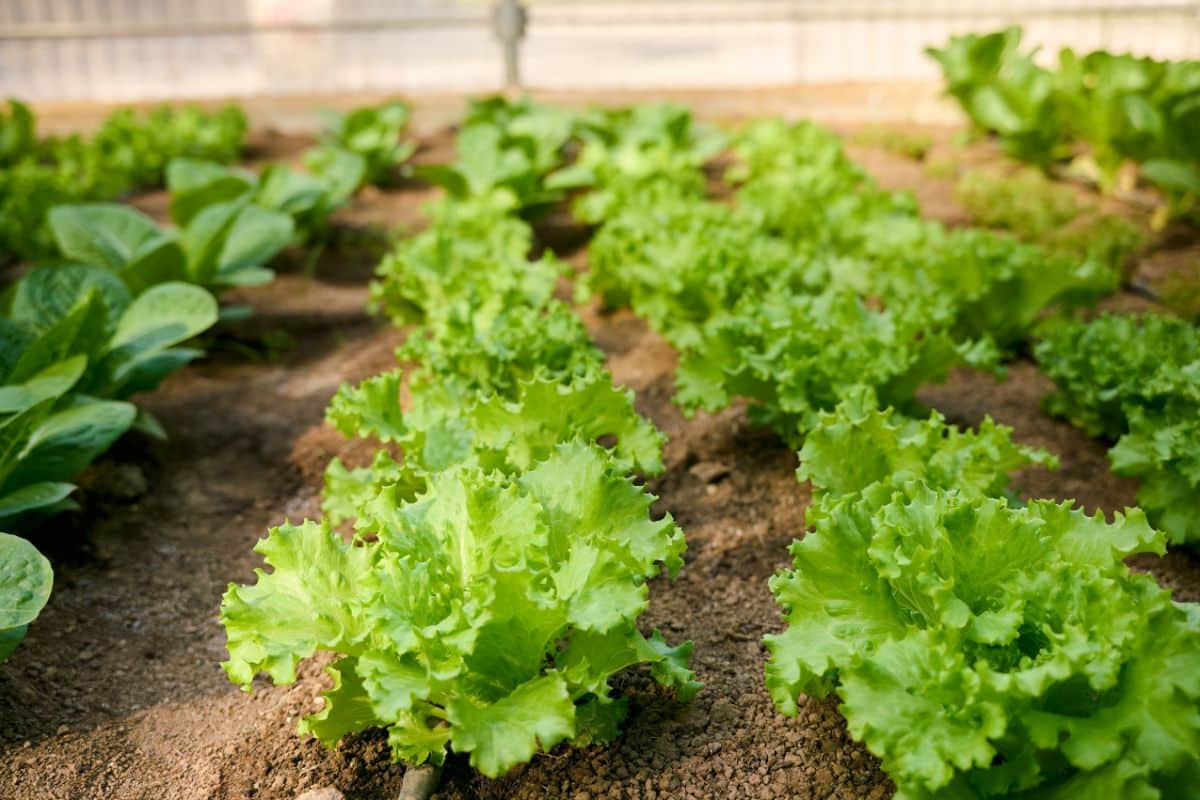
{"x":14,"y":340}
{"x":140,"y":354}
{"x":444,"y":176}
{"x":338,"y":171}
{"x":48,"y":294}
{"x":51,"y":383}
{"x":993,"y":110}
{"x":25,"y":581}
{"x":10,"y":638}
{"x":1177,"y":176}
{"x":34,"y":497}
{"x":254,"y":237}
{"x":536,"y":716}
{"x":164,"y":316}
{"x":289,"y":191}
{"x":148,"y":424}
{"x":68,"y":440}
{"x":109,"y":235}
{"x":145,"y":372}
{"x":204,"y":237}
{"x":195,"y":185}
{"x":15,"y":430}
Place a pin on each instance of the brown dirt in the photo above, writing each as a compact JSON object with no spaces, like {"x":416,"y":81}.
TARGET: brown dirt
{"x":117,"y":692}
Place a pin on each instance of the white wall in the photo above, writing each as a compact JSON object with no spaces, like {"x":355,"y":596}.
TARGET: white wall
{"x":64,"y":50}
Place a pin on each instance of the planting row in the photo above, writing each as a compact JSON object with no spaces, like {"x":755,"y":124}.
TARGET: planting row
{"x":1126,"y":110}
{"x":497,"y":572}
{"x":130,"y":152}
{"x":105,"y":317}
{"x":816,"y":280}
{"x":980,"y":646}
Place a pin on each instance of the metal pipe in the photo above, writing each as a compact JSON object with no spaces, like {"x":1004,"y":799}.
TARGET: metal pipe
{"x":509,"y":21}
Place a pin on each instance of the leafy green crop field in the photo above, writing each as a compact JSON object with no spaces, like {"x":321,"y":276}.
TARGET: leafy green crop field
{"x":621,"y":455}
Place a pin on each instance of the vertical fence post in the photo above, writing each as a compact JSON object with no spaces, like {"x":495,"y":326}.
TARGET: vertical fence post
{"x":509,"y":19}
{"x":1195,"y":47}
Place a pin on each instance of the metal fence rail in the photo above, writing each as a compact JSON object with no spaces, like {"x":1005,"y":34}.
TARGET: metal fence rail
{"x":63,"y":50}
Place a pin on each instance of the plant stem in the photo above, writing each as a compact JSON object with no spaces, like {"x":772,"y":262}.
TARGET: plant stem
{"x":420,"y":782}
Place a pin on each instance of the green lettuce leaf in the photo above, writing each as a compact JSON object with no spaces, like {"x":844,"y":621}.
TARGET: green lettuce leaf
{"x":25,"y":583}
{"x":986,"y":650}
{"x":1136,"y":379}
{"x":481,"y":615}
{"x":121,"y":239}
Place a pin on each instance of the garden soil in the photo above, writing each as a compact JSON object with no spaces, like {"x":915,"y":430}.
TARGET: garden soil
{"x":117,"y":692}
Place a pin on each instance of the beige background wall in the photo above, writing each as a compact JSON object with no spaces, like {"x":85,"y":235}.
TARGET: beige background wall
{"x":126,"y":50}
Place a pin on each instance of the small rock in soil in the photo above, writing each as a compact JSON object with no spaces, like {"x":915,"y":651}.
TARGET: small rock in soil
{"x":710,"y":471}
{"x":323,"y":793}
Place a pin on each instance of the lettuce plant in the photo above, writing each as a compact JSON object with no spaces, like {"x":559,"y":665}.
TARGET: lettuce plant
{"x":796,"y":182}
{"x":372,"y":133}
{"x":49,"y":436}
{"x":1124,"y":108}
{"x":61,"y":311}
{"x":501,"y":551}
{"x":482,"y":353}
{"x":858,"y":444}
{"x":544,"y":131}
{"x":18,"y":133}
{"x":486,"y":616}
{"x":793,"y":356}
{"x":74,"y":347}
{"x":502,"y":396}
{"x":631,"y":155}
{"x":307,"y":197}
{"x":683,"y":261}
{"x":121,"y":239}
{"x":283,"y":204}
{"x":28,"y":190}
{"x":981,"y":648}
{"x":506,"y":150}
{"x":140,"y":148}
{"x":1136,"y":380}
{"x":473,"y":258}
{"x":225,"y":244}
{"x":506,"y":435}
{"x":1003,"y":90}
{"x":991,"y":285}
